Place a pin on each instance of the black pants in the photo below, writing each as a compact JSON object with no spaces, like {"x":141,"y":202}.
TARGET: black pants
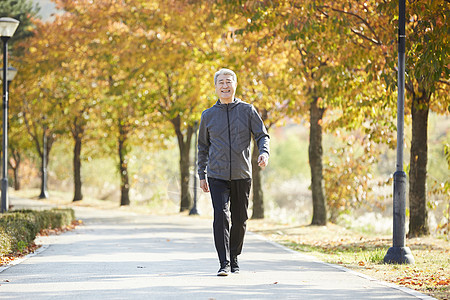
{"x":229,"y":196}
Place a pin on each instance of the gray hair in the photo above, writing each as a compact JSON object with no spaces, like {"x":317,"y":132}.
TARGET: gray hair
{"x":224,"y":71}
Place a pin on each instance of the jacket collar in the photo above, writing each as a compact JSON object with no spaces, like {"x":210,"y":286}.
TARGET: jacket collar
{"x":235,"y":102}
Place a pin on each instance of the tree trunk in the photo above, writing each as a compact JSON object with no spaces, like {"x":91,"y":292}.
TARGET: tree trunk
{"x":123,"y":166}
{"x":16,"y":179}
{"x":418,"y":220}
{"x":77,"y":168}
{"x":15,"y":155}
{"x":184,"y":145}
{"x":48,"y":137}
{"x":315,"y":163}
{"x":258,"y":196}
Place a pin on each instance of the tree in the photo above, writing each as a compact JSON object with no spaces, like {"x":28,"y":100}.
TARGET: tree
{"x":259,"y":59}
{"x":23,"y":11}
{"x":264,"y":81}
{"x":40,"y":119}
{"x":19,"y":144}
{"x":38,"y":90}
{"x":313,"y":61}
{"x":78,"y":85}
{"x":178,"y":102}
{"x":182,"y":64}
{"x":329,"y":73}
{"x":112,"y":56}
{"x":427,"y":73}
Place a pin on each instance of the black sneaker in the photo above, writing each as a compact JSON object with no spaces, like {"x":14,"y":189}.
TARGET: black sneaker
{"x":224,"y":270}
{"x":234,"y":265}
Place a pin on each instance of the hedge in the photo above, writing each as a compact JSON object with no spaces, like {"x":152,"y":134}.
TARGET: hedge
{"x":19,"y":228}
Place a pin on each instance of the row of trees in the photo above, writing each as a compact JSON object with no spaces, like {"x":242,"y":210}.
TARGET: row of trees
{"x":347,"y":51}
{"x":116,"y":74}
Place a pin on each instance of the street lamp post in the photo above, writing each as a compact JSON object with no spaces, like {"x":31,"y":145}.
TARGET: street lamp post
{"x":194,"y":210}
{"x":7,"y":28}
{"x":44,"y":193}
{"x":10,"y":74}
{"x":398,"y":253}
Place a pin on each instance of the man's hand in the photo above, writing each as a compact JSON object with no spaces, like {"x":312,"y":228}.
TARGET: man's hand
{"x":263,"y":160}
{"x":204,"y":185}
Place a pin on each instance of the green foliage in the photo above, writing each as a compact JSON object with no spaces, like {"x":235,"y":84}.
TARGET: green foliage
{"x":5,"y":242}
{"x":289,"y":156}
{"x":19,"y":228}
{"x":61,"y":217}
{"x":21,"y":245}
{"x":447,"y":154}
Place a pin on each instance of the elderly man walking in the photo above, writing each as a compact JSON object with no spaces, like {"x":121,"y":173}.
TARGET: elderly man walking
{"x":224,"y":159}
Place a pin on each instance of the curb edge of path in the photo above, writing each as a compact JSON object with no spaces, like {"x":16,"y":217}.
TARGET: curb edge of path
{"x":24,"y":258}
{"x":406,"y":290}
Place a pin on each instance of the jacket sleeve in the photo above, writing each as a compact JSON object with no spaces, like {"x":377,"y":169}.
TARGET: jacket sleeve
{"x":203,"y":148}
{"x":259,"y":132}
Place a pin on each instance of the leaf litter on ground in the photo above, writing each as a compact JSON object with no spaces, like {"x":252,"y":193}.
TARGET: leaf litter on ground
{"x":364,"y":253}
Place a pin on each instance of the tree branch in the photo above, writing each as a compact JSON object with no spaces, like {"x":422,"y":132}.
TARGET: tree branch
{"x":375,"y":41}
{"x":358,"y":33}
{"x":443,"y":81}
{"x":33,"y":135}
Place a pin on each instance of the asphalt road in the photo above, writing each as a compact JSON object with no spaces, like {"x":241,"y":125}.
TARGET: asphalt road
{"x":121,"y":255}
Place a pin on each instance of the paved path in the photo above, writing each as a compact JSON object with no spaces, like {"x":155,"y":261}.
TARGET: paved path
{"x":121,"y":255}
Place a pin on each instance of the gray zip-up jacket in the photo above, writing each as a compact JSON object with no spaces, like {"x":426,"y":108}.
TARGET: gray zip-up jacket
{"x":224,"y":140}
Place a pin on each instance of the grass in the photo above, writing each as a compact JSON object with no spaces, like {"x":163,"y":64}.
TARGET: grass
{"x":364,"y":253}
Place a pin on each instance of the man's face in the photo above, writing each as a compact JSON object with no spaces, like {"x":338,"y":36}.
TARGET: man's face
{"x":226,"y":88}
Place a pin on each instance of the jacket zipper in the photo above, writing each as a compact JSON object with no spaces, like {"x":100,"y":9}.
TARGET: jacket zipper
{"x":229,"y":135}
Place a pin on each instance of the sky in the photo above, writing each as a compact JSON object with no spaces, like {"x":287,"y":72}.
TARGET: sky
{"x":47,"y":8}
